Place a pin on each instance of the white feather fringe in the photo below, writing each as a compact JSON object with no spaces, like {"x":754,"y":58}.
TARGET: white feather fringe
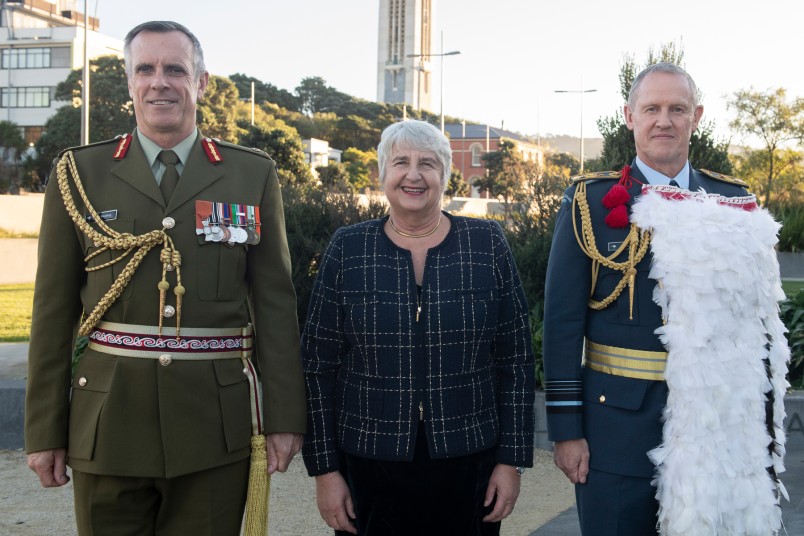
{"x":719,"y":290}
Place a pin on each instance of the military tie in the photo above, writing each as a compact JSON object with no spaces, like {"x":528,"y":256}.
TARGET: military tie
{"x":171,"y":176}
{"x":672,"y":182}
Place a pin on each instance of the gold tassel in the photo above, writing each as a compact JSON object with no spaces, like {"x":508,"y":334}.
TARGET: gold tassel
{"x":259,"y":487}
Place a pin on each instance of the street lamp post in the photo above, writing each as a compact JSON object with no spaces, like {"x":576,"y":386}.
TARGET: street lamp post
{"x":581,"y":92}
{"x":450,"y":53}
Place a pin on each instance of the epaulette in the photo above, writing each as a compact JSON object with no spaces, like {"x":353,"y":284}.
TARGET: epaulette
{"x":597,"y":175}
{"x":252,"y":150}
{"x":724,"y":178}
{"x":95,"y":144}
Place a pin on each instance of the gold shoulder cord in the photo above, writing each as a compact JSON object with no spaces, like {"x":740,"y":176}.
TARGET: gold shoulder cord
{"x":125,"y":242}
{"x":636,"y":242}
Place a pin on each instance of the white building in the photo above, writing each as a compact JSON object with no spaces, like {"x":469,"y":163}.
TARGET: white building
{"x":41,"y":41}
{"x":404,"y":70}
{"x":319,"y":153}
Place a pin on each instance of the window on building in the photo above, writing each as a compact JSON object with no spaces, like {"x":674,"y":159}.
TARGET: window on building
{"x":26,"y":58}
{"x":60,"y":57}
{"x":25,"y":97}
{"x":477,"y":153}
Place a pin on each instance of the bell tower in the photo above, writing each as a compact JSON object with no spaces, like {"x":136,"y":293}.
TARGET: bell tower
{"x":404,"y":67}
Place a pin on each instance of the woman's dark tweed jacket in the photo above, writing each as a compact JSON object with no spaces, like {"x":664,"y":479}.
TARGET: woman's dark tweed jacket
{"x":371,"y":368}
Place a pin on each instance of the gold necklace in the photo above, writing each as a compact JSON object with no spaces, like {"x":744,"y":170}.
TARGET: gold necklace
{"x":428,"y":233}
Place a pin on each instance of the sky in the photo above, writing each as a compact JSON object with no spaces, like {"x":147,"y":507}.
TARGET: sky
{"x":514,"y":53}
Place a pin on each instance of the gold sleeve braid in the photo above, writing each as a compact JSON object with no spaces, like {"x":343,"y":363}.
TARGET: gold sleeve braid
{"x":637,"y":243}
{"x":108,"y":239}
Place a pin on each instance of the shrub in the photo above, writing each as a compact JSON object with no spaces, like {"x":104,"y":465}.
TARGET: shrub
{"x":312,"y":215}
{"x":791,"y":236}
{"x":792,"y":314}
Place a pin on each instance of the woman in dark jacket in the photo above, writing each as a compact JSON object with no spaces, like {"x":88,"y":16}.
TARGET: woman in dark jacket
{"x":418,"y":361}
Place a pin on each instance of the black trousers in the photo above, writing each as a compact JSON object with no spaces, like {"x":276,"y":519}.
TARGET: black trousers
{"x":616,"y":505}
{"x":423,"y":497}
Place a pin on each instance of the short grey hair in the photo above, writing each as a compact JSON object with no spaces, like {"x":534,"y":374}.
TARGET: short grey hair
{"x":419,"y":136}
{"x":663,"y":67}
{"x":165,"y":26}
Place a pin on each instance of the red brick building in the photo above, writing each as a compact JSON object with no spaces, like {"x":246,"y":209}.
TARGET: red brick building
{"x":470,"y":142}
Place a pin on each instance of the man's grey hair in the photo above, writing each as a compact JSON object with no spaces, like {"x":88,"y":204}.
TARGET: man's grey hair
{"x":663,"y":67}
{"x":419,"y":136}
{"x":165,"y":26}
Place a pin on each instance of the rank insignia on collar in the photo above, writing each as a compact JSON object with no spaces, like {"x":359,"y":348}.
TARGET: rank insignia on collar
{"x":122,"y":146}
{"x":212,"y":151}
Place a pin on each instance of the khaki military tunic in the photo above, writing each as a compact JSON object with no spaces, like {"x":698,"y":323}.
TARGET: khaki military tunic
{"x":129,"y":416}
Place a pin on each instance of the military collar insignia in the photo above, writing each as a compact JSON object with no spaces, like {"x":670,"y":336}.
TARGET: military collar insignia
{"x":211,"y":150}
{"x":122,"y":146}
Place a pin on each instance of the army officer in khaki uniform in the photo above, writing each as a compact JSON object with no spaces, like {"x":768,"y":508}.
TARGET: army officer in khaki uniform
{"x":175,"y":264}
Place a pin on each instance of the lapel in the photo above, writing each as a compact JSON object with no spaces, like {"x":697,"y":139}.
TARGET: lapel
{"x":135,"y":170}
{"x":696,"y":181}
{"x":197,"y":175}
{"x":636,"y":188}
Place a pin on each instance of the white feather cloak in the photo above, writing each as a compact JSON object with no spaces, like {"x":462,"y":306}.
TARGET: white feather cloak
{"x":718,"y":286}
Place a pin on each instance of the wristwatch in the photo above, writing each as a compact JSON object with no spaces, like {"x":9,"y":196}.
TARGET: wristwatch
{"x":520,"y":470}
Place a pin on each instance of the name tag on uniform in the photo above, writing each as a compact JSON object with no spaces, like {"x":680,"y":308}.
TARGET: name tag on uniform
{"x":106,"y":215}
{"x":613,"y":246}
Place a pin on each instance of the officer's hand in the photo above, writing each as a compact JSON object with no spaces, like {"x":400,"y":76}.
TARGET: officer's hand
{"x":50,"y":466}
{"x":572,"y":457}
{"x":335,"y":502}
{"x":280,"y":449}
{"x":504,"y":483}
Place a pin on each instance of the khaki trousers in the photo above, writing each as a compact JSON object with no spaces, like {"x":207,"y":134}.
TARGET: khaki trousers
{"x":206,"y":503}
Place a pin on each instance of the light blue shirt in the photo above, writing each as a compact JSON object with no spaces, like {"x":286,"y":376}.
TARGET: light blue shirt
{"x":654,"y":177}
{"x":152,"y":150}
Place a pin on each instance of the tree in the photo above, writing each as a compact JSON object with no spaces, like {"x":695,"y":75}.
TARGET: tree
{"x":752,"y":166}
{"x":776,"y":122}
{"x":316,"y":96}
{"x":334,"y":177}
{"x":264,"y":92}
{"x":456,"y":186}
{"x":565,"y":161}
{"x":618,"y":141}
{"x":217,"y":111}
{"x":111,"y":112}
{"x":355,"y":131}
{"x":12,"y":145}
{"x":506,"y":174}
{"x":285,"y":147}
{"x":361,"y":166}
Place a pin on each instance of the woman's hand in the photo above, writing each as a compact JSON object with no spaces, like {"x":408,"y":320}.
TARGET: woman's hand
{"x":504,"y":483}
{"x":335,"y":502}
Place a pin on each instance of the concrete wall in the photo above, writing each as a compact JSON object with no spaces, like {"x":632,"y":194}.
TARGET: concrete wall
{"x":19,"y":260}
{"x":21,"y":213}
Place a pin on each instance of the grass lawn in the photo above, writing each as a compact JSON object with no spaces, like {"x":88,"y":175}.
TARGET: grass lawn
{"x":16,"y":302}
{"x":791,"y":288}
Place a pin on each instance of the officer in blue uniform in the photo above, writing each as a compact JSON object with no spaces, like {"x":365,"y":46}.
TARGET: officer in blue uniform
{"x":603,"y":362}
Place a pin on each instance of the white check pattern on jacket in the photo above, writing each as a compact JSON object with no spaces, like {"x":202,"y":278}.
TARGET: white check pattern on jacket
{"x":369,"y":364}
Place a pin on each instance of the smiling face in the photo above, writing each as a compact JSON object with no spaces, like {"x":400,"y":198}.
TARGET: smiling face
{"x":413,"y":183}
{"x":663,"y":116}
{"x":163,"y":85}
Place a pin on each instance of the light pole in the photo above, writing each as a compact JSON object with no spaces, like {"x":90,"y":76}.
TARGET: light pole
{"x":581,"y":92}
{"x":450,"y":53}
{"x":85,"y":83}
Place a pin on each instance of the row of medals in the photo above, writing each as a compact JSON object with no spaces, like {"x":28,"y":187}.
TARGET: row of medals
{"x":231,"y":234}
